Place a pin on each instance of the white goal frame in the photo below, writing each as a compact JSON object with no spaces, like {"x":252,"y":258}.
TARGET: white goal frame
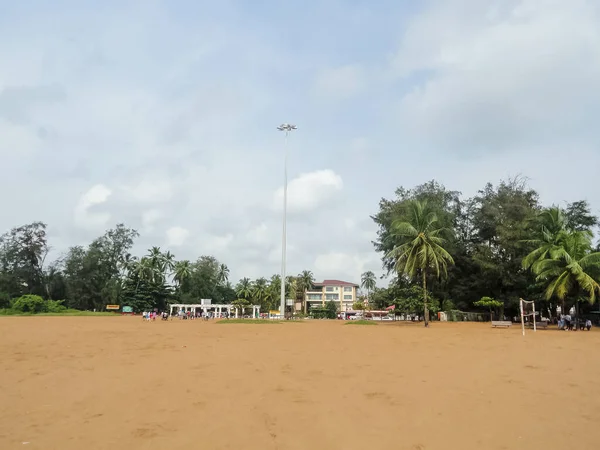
{"x":521,"y":302}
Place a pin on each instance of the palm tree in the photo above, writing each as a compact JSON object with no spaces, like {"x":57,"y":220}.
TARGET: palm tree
{"x":552,"y":234}
{"x":368,"y":282}
{"x":244,"y":288}
{"x":260,"y":290}
{"x":143,"y":269}
{"x":421,"y":248}
{"x":155,"y":256}
{"x":182,"y":272}
{"x":126,"y":265}
{"x":305,"y":281}
{"x":168,"y":262}
{"x":222,"y":274}
{"x":274,"y":291}
{"x":571,"y":268}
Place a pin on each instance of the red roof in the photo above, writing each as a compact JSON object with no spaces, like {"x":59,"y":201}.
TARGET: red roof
{"x":335,"y":283}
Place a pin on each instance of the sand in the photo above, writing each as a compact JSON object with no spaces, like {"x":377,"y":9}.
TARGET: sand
{"x":119,"y":383}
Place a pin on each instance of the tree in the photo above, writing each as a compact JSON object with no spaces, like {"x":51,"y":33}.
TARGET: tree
{"x":571,"y":269}
{"x":260,"y":291}
{"x":305,"y":281}
{"x":422,"y":247}
{"x":368,"y":282}
{"x":274,"y":291}
{"x":22,"y":255}
{"x":204,"y":281}
{"x":358,"y":306}
{"x":94,"y":276}
{"x":445,"y":203}
{"x":579,"y":217}
{"x":331,"y":309}
{"x":182,"y":272}
{"x":490,"y":303}
{"x":222,"y":274}
{"x":241,"y":304}
{"x":244,"y":288}
{"x":504,"y":218}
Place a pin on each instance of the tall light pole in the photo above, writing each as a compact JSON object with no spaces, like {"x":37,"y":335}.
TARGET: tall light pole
{"x":287,"y":128}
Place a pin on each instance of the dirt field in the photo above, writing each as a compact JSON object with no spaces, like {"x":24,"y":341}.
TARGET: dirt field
{"x":118,"y":383}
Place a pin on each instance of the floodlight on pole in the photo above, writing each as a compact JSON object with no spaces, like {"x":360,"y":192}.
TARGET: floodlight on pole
{"x":287,"y":128}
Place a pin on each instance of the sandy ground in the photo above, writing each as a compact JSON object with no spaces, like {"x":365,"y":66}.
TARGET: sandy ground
{"x":118,"y":383}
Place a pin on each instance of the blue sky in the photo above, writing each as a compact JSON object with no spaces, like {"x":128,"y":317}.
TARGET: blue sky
{"x":162,"y":115}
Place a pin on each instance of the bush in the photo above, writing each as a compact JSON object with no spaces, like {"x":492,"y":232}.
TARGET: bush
{"x":448,"y":306}
{"x":55,"y":306}
{"x":329,"y":311}
{"x":4,"y":300}
{"x":30,"y":304}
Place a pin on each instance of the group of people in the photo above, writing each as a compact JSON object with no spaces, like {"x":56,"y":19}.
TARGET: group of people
{"x":566,"y":322}
{"x":189,"y":315}
{"x":150,"y":316}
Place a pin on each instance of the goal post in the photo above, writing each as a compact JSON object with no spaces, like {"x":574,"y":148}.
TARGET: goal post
{"x":523,"y":304}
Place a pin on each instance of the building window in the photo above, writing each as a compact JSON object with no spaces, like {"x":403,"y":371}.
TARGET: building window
{"x":332,"y":297}
{"x":331,"y":289}
{"x":315,"y":297}
{"x":347,"y":288}
{"x":348,"y":297}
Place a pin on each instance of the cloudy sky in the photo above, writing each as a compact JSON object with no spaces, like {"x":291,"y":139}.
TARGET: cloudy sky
{"x":163,"y":115}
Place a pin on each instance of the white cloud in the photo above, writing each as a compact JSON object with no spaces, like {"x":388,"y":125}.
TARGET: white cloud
{"x":350,"y":223}
{"x":340,"y":82}
{"x":521,"y":74}
{"x":259,"y":235}
{"x":85,"y":216}
{"x":181,"y":132}
{"x":338,"y":265}
{"x":149,"y":219}
{"x":310,"y":191}
{"x":150,"y":189}
{"x":176,"y":236}
{"x":219,"y":244}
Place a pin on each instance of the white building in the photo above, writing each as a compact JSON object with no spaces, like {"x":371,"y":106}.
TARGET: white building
{"x":343,"y":293}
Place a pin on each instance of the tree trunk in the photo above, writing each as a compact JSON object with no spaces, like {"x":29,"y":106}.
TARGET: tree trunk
{"x":305,"y":302}
{"x":425,"y":310}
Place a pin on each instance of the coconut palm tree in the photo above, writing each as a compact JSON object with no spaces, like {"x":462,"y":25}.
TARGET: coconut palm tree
{"x":155,"y":256}
{"x":368,"y":282}
{"x":291,"y":287}
{"x":421,"y":249}
{"x":182,"y":272}
{"x":168,"y":262}
{"x":304,"y":282}
{"x":260,"y":290}
{"x":570,"y":269}
{"x":552,"y":234}
{"x":274,"y":291}
{"x":222,"y":274}
{"x":144,"y":269}
{"x":244,"y":288}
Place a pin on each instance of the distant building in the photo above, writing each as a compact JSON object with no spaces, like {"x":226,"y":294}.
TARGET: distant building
{"x":343,"y":293}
